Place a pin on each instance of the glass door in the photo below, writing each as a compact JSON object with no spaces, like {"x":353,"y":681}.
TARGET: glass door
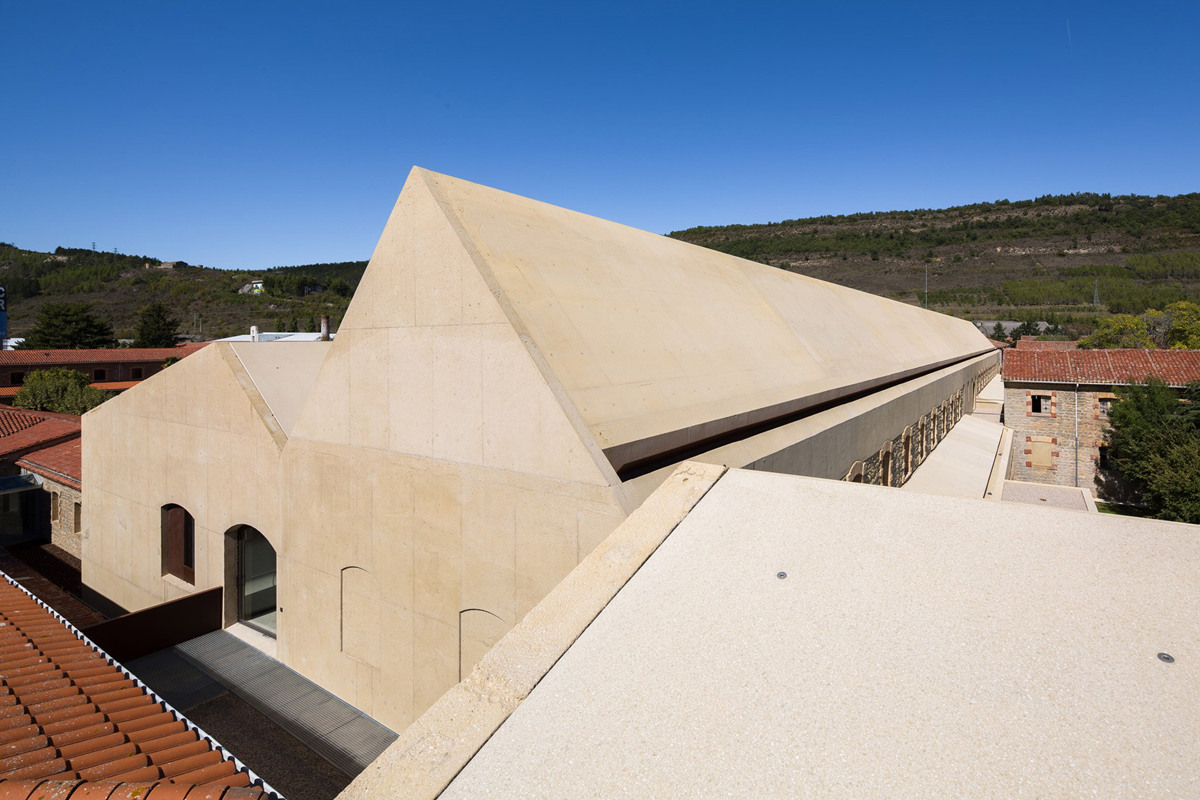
{"x":256,"y":580}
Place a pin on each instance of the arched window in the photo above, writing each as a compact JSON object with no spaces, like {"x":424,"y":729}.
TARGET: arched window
{"x":178,"y":543}
{"x":855,"y":475}
{"x":906,"y":463}
{"x":885,"y":465}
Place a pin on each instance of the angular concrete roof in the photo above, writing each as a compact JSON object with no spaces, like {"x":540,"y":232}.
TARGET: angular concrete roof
{"x":795,"y":637}
{"x":653,"y":343}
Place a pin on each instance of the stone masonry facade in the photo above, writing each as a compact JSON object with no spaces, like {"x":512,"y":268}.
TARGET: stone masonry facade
{"x":1044,"y":418}
{"x":899,"y":457}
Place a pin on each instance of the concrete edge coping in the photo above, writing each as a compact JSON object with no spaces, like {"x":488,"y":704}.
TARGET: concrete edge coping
{"x":428,"y":755}
{"x":995,"y":484}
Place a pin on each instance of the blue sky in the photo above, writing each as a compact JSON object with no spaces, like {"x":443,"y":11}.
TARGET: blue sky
{"x":253,"y":134}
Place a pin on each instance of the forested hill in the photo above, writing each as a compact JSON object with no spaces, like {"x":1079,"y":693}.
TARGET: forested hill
{"x":1008,"y":260}
{"x":1047,"y":258}
{"x":208,"y":302}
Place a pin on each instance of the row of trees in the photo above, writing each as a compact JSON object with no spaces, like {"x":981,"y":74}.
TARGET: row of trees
{"x":1154,"y":450}
{"x":75,"y":326}
{"x":1177,"y":327}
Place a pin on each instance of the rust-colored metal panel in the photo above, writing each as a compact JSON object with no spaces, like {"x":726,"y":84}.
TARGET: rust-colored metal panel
{"x":158,"y":627}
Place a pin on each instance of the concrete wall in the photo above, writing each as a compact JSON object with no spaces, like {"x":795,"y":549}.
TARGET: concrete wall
{"x":191,"y":436}
{"x":1054,"y":431}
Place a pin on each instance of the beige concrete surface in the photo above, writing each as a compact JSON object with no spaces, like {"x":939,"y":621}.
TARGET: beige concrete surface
{"x":659,"y":342}
{"x":919,"y":646}
{"x":430,"y":752}
{"x":284,"y":374}
{"x":434,"y":472}
{"x":1049,"y":495}
{"x":962,"y":464}
{"x":192,"y":435}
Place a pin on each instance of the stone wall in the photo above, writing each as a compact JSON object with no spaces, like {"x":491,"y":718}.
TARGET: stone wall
{"x":1044,"y":419}
{"x":66,"y":516}
{"x":898,"y":458}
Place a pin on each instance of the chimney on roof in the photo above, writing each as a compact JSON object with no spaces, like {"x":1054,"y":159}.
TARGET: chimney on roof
{"x":254,"y":333}
{"x":324,"y":327}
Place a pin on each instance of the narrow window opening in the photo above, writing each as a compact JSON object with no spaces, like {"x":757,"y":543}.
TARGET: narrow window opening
{"x":178,"y":543}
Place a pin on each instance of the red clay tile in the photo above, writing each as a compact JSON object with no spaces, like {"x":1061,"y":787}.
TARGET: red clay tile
{"x":19,"y":746}
{"x":130,"y":790}
{"x":137,"y":719}
{"x":116,"y":769}
{"x":15,"y":734}
{"x":41,"y":790}
{"x":90,"y":752}
{"x":29,"y":758}
{"x":95,"y":791}
{"x":181,"y":760}
{"x":223,"y":773}
{"x":158,"y":732}
{"x":156,"y":746}
{"x":44,"y":769}
{"x":91,"y":731}
{"x":169,"y":791}
{"x":239,"y":793}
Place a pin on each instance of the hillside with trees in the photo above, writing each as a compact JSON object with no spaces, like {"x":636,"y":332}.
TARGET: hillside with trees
{"x":1073,"y":260}
{"x":203,"y":302}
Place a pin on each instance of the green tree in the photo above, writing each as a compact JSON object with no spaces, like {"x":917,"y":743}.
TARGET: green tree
{"x":998,"y":333}
{"x":1154,"y":448}
{"x":1183,"y":325}
{"x":156,"y":327}
{"x":1119,"y":330}
{"x":68,"y":326}
{"x":64,"y":391}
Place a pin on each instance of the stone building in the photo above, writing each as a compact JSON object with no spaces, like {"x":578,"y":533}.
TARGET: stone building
{"x":1057,"y":401}
{"x":510,"y":382}
{"x":59,"y":469}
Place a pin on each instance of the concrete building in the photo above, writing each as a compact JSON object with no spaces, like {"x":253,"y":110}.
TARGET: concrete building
{"x":746,"y":634}
{"x":510,"y":382}
{"x":1057,"y":401}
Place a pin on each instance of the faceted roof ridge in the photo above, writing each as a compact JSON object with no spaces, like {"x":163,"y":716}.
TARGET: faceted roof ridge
{"x":658,"y":343}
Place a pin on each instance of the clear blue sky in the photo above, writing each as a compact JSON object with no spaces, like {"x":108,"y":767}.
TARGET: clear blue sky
{"x":253,"y":134}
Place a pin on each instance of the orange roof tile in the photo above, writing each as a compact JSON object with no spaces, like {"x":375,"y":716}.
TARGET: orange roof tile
{"x":62,"y":462}
{"x":22,"y":430}
{"x":1034,"y":344}
{"x":75,"y":725}
{"x":1108,"y":367}
{"x":35,"y":358}
{"x":114,"y":386}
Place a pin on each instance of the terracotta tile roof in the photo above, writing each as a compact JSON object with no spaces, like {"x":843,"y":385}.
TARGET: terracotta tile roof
{"x":998,"y":344}
{"x":1034,"y":344}
{"x":22,"y":430}
{"x":115,"y":386}
{"x":34,"y":358}
{"x":62,"y":462}
{"x":73,"y":724}
{"x":1176,"y":367}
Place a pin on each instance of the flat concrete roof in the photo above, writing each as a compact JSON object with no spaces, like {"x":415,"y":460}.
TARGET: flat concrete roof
{"x":284,"y":374}
{"x":794,"y":637}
